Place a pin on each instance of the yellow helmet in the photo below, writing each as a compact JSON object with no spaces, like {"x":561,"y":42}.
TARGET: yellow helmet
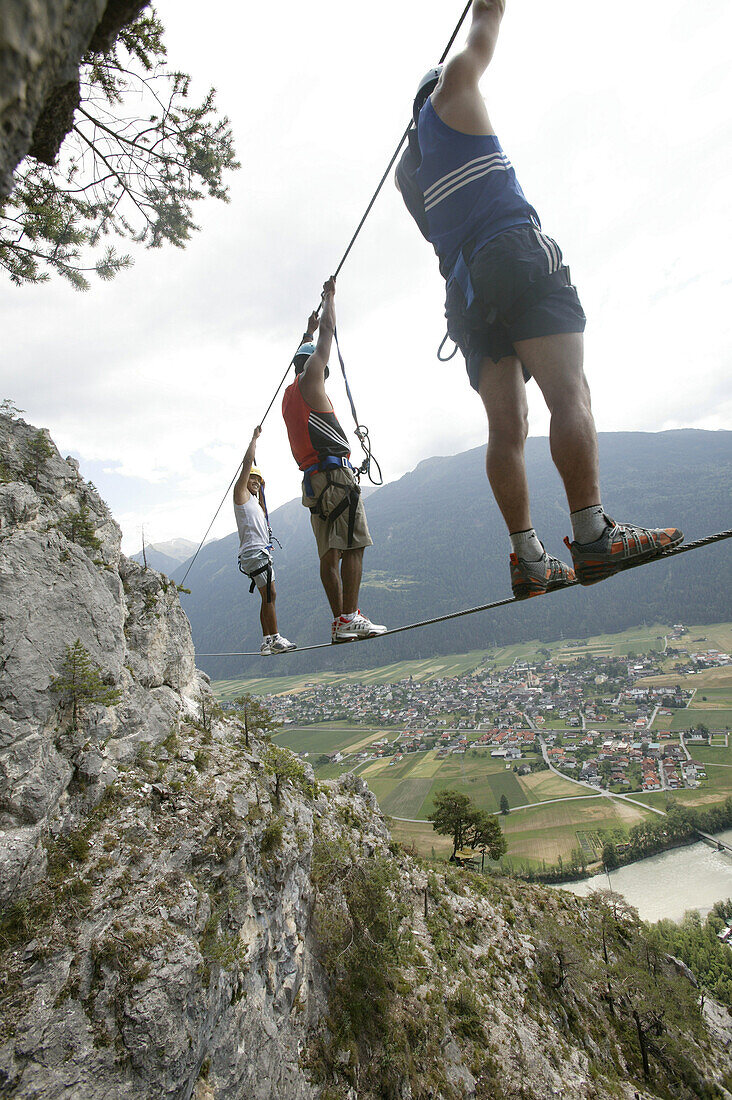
{"x":256,"y":472}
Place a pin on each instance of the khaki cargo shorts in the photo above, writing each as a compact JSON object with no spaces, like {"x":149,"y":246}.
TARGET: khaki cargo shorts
{"x":334,"y":536}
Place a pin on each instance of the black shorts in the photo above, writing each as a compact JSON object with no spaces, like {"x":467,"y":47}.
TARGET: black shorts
{"x":500,"y":273}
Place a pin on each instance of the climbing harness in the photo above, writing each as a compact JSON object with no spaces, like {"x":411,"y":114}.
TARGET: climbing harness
{"x":349,"y":499}
{"x":683,"y":549}
{"x":268,"y":567}
{"x":264,"y":569}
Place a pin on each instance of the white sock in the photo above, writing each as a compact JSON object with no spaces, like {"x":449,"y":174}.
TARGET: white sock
{"x":349,"y":617}
{"x":588,"y":523}
{"x":526,"y":545}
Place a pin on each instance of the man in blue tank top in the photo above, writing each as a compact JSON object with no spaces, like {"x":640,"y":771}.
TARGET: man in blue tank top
{"x":514,"y":313}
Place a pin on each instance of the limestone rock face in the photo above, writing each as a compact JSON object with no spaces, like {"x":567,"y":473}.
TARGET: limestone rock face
{"x":62,"y":578}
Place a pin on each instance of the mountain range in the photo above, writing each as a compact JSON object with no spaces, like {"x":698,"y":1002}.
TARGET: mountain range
{"x":166,"y":556}
{"x":440,"y":545}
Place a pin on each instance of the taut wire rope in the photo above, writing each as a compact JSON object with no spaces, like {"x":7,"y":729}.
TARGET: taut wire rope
{"x":684,"y":549}
{"x":351,"y":243}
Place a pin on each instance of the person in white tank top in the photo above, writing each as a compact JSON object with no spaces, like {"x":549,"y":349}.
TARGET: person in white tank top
{"x":255,"y":557}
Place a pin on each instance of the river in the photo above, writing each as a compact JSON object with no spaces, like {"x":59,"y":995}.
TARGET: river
{"x":666,"y":885}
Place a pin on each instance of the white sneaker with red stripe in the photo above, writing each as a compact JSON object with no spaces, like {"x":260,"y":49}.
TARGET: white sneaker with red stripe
{"x":351,"y":630}
{"x":275,"y":643}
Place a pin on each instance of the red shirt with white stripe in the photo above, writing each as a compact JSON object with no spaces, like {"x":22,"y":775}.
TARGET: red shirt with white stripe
{"x":313,"y":434}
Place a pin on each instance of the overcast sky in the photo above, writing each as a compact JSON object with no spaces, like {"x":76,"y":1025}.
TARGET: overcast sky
{"x":617,"y":120}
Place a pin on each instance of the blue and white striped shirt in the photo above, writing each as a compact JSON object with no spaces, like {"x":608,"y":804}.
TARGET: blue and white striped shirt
{"x":469,"y":186}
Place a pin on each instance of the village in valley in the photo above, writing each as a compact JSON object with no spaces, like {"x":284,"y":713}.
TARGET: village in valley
{"x":589,"y":718}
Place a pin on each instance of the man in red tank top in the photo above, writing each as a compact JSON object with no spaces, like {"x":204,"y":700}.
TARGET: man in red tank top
{"x":330,"y":489}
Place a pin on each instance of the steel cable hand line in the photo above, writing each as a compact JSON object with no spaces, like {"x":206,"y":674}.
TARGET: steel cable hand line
{"x":402,"y":139}
{"x":375,"y":195}
{"x":706,"y":541}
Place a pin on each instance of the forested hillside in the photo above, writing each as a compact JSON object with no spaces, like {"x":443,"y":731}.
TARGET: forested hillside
{"x":440,"y":545}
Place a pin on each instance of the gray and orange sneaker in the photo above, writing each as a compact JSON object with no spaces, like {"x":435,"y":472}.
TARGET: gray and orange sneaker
{"x":534,"y":578}
{"x":620,"y":546}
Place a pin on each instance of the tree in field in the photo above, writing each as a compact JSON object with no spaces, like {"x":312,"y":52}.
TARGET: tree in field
{"x":137,"y":157}
{"x":504,"y":804}
{"x":484,"y":834}
{"x":456,"y":815}
{"x":451,"y":816}
{"x":251,"y":713}
{"x":610,"y":858}
{"x":81,"y":683}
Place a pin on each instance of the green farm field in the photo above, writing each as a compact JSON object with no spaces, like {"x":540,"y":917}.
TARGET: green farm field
{"x":715,"y":754}
{"x":538,"y":833}
{"x":543,"y":786}
{"x":421,"y":836}
{"x":408,"y":787}
{"x":320,"y":739}
{"x":714,"y":718}
{"x":548,"y":832}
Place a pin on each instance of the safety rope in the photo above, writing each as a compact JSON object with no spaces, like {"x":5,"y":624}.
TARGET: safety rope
{"x":263,"y":502}
{"x":683,"y":549}
{"x":361,"y":431}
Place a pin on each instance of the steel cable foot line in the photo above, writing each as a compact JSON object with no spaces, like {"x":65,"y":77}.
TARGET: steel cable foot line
{"x":683,"y":549}
{"x":351,"y":243}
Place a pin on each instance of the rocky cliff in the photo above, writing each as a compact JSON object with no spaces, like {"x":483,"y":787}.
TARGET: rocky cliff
{"x":185,"y":913}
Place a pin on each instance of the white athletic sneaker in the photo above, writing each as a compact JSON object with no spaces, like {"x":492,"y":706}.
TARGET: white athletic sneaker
{"x":275,"y":643}
{"x":358,"y":627}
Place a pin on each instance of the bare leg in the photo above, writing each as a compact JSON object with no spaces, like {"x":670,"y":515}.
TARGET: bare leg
{"x":351,"y":569}
{"x":556,"y":364}
{"x":503,"y":392}
{"x":331,"y":579}
{"x":267,"y":613}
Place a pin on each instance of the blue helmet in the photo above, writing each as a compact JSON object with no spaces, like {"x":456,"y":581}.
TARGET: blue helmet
{"x":427,"y":85}
{"x":301,"y":357}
